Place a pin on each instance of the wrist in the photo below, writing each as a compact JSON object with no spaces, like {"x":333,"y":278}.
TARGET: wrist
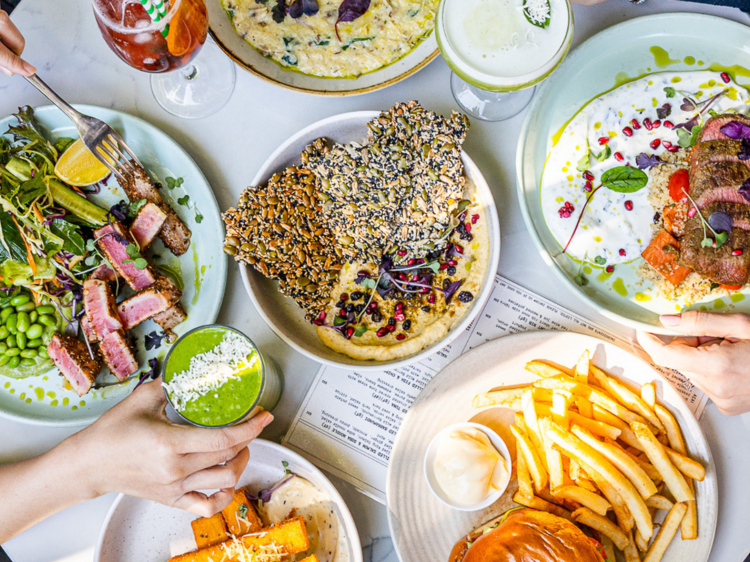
{"x":77,"y":468}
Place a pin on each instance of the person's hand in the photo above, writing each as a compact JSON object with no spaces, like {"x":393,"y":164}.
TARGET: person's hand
{"x":11,"y":47}
{"x":587,"y":2}
{"x":714,"y":354}
{"x":136,"y":450}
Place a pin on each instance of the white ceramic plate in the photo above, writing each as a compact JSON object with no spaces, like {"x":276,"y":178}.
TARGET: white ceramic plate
{"x":423,"y":528}
{"x":595,"y":67}
{"x":142,"y":530}
{"x":284,"y":316}
{"x":245,"y":56}
{"x":43,"y":399}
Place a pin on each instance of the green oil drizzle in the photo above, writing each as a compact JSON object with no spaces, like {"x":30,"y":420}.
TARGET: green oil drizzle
{"x":39,"y":393}
{"x":719,"y":304}
{"x":53,"y":403}
{"x":676,"y":80}
{"x":7,"y":385}
{"x":689,"y":60}
{"x":197,"y":282}
{"x":66,"y":401}
{"x":603,"y":276}
{"x":12,"y":391}
{"x":74,"y":408}
{"x":619,"y":287}
{"x":82,"y":403}
{"x":642,"y":297}
{"x":734,"y":71}
{"x":22,"y":396}
{"x":28,"y":400}
{"x":587,"y":269}
{"x":661,"y":57}
{"x":737,"y":297}
{"x":51,"y":395}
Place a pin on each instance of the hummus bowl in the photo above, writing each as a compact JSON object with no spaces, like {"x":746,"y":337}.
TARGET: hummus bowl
{"x":283,"y":315}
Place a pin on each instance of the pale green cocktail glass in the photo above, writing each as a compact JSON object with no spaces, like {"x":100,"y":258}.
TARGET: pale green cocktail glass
{"x":507,"y":96}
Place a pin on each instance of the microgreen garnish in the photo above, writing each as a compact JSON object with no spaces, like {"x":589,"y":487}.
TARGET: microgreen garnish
{"x":154,"y":340}
{"x":670,"y":91}
{"x":664,"y":111}
{"x":719,"y":237}
{"x":360,"y":331}
{"x":183,"y":200}
{"x":646,"y":162}
{"x":242,"y":511}
{"x":580,"y":279}
{"x":135,"y":257}
{"x":298,"y":8}
{"x":586,"y":160}
{"x":744,"y":153}
{"x":745,"y":189}
{"x":687,"y":139}
{"x":600,"y":260}
{"x":173,"y":182}
{"x":350,"y":10}
{"x":265,"y":495}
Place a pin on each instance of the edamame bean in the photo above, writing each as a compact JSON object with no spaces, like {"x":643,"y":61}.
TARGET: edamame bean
{"x":34,"y":343}
{"x":29,"y":306}
{"x":28,"y":353}
{"x":14,"y":362}
{"x":21,"y":339}
{"x":23,"y":321}
{"x":33,"y":315}
{"x":34,"y":331}
{"x":44,"y":319}
{"x":45,"y":309}
{"x":12,"y":323}
{"x":27,"y":362}
{"x":11,"y":341}
{"x":4,"y":360}
{"x":13,"y":352}
{"x":3,"y":348}
{"x":43,"y":353}
{"x":20,"y":299}
{"x":4,"y":333}
{"x":5,"y":314}
{"x":47,"y":337}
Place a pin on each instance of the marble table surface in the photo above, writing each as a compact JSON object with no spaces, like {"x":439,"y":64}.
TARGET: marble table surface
{"x":66,"y":47}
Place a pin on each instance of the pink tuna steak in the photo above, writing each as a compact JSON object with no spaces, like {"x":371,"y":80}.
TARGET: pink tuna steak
{"x":101,"y":311}
{"x":118,"y":355}
{"x":149,"y":302}
{"x":147,"y":224}
{"x":113,"y":241}
{"x":72,"y":358}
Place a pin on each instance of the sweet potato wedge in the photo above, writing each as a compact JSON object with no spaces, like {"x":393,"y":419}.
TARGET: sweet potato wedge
{"x":209,"y":531}
{"x":240,"y":515}
{"x":665,"y":262}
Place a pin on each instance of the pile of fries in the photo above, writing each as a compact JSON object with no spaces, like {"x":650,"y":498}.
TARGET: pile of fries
{"x":593,"y":451}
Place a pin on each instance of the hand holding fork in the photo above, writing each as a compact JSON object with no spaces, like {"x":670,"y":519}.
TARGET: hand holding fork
{"x":11,"y":47}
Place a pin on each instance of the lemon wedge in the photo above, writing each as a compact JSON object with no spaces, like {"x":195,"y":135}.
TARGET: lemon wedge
{"x":79,"y":167}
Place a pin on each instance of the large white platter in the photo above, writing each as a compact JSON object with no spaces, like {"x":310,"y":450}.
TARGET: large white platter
{"x":288,"y":320}
{"x":43,"y":399}
{"x":142,"y":530}
{"x":423,"y":528}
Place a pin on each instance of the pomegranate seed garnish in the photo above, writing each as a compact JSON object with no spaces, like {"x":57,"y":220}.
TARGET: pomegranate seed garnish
{"x":443,"y":266}
{"x":673,"y":148}
{"x":603,"y":141}
{"x":588,"y":186}
{"x":459,"y":249}
{"x":420,"y":261}
{"x":452,"y":262}
{"x":349,"y":332}
{"x":619,"y":157}
{"x":610,"y":268}
{"x":402,"y":252}
{"x":588,"y":175}
{"x":655,"y":144}
{"x":656,"y":124}
{"x":622,"y":251}
{"x":647,"y":123}
{"x":382,"y":332}
{"x":725,"y":77}
{"x":390,"y":328}
{"x":415,"y":277}
{"x":411,"y":262}
{"x":317,"y":322}
{"x":691,"y":212}
{"x":627,"y":131}
{"x":636,"y":125}
{"x":666,"y":144}
{"x":629,"y":205}
{"x":322,"y":315}
{"x":344,"y":297}
{"x":399,"y":317}
{"x":431,"y":298}
{"x":474,"y":219}
{"x":669,"y":124}
{"x":468,"y":227}
{"x":736,"y":252}
{"x":343,"y":313}
{"x":401,"y":337}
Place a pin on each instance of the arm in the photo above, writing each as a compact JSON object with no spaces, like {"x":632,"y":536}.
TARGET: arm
{"x":11,"y":47}
{"x":133,"y":449}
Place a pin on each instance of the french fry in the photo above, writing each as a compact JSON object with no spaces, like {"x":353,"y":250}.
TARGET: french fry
{"x":597,"y":428}
{"x":647,"y":467}
{"x":586,"y":484}
{"x":539,"y":504}
{"x":626,"y":434}
{"x":585,"y":407}
{"x":648,"y":393}
{"x":624,"y":517}
{"x":640,"y":542}
{"x":631,"y":469}
{"x":575,"y":470}
{"x":507,"y":397}
{"x":658,"y":456}
{"x":584,"y":454}
{"x":631,"y":551}
{"x":625,"y":396}
{"x":661,"y":438}
{"x":666,"y":533}
{"x":561,"y":400}
{"x":554,"y":463}
{"x":674,"y":435}
{"x":532,"y":423}
{"x":586,"y":498}
{"x":524,"y":479}
{"x":581,"y":373}
{"x":659,"y":502}
{"x":533,"y":462}
{"x":689,"y":524}
{"x":609,"y":547}
{"x":542,"y":395}
{"x":686,"y":465}
{"x":602,"y":524}
{"x":520,"y":422}
{"x":544,"y":370}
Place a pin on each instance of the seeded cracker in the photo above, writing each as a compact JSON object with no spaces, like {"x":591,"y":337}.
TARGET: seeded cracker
{"x":277,"y":228}
{"x":397,"y":192}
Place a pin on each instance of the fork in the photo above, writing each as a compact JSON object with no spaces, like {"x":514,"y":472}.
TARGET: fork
{"x":101,"y":139}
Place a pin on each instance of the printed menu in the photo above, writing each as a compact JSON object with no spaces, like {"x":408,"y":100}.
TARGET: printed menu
{"x":348,"y":421}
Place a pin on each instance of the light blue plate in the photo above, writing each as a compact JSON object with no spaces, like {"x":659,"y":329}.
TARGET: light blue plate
{"x":593,"y":68}
{"x":42,"y":399}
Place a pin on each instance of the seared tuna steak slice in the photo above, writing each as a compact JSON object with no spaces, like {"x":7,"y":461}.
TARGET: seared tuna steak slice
{"x":113,"y":241}
{"x":174,"y":233}
{"x":88,"y":330}
{"x":712,"y":129}
{"x":716,"y":151}
{"x":719,"y":181}
{"x":118,"y":354}
{"x":148,"y":302}
{"x":104,"y":273}
{"x":147,"y":224}
{"x":71,"y":356}
{"x":101,"y":308}
{"x":721,"y":265}
{"x":171,"y":318}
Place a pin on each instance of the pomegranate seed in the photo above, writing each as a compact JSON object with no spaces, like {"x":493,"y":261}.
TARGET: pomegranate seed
{"x":673,"y":148}
{"x":452,"y":262}
{"x":363,"y":272}
{"x":622,"y":251}
{"x":629,"y":205}
{"x":588,"y":186}
{"x":349,"y":332}
{"x":391,"y":328}
{"x":669,"y":124}
{"x":725,"y":77}
{"x":636,"y":125}
{"x":692,"y":212}
{"x":736,"y":252}
{"x":667,"y":144}
{"x":415,"y":277}
{"x":411,"y":262}
{"x":443,"y":266}
{"x":603,"y":141}
{"x":317,"y":322}
{"x":382,"y":332}
{"x":343,"y":313}
{"x":627,"y":131}
{"x":647,"y":123}
{"x":420,"y":261}
{"x":656,"y":124}
{"x":400,"y":317}
{"x":462,"y":216}
{"x":402,"y":252}
{"x":322,"y":315}
{"x":610,"y":268}
{"x":655,"y":144}
{"x":399,"y":307}
{"x":402,"y":277}
{"x":458,"y":248}
{"x":468,"y":227}
{"x":431,"y":298}
{"x":401,"y":337}
{"x":588,"y":175}
{"x":619,"y":157}
{"x":344,"y":297}
{"x":474,"y":219}
{"x":424,"y":290}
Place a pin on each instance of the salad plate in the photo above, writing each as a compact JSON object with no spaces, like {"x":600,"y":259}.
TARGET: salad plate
{"x":423,"y":527}
{"x":669,"y":44}
{"x":138,"y":529}
{"x":44,"y":399}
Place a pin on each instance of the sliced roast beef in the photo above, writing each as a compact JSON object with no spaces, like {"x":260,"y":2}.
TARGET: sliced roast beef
{"x":149,"y":302}
{"x":716,"y":151}
{"x":719,"y":181}
{"x":72,"y":358}
{"x":101,"y":308}
{"x":147,"y":224}
{"x":712,"y":129}
{"x":721,"y":265}
{"x":174,"y":233}
{"x":113,"y":242}
{"x":118,"y":354}
{"x":171,"y":318}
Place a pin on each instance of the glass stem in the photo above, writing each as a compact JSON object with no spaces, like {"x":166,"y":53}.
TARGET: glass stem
{"x":190,"y":72}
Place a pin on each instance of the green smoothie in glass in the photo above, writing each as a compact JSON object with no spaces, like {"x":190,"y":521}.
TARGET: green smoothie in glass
{"x":214,"y":376}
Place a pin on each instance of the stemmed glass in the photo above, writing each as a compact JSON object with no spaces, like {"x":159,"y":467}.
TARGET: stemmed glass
{"x":161,"y":41}
{"x":492,"y":78}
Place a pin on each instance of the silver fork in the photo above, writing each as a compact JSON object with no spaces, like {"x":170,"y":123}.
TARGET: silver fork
{"x":101,"y":139}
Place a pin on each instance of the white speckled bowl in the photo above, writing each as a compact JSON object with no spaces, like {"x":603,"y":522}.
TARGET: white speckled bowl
{"x":142,"y":530}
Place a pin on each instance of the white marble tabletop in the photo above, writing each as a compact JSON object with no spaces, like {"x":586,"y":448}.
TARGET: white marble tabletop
{"x":66,"y":47}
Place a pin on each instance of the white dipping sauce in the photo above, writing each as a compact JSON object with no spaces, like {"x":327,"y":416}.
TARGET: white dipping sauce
{"x":608,"y":230}
{"x":324,"y":529}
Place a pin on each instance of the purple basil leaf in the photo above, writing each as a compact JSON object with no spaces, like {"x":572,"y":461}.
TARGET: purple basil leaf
{"x":736,"y":130}
{"x":451,"y":290}
{"x":350,"y":10}
{"x":153,"y":340}
{"x":688,"y":125}
{"x":279,"y":11}
{"x":151,"y":374}
{"x":720,"y":222}
{"x":745,"y":189}
{"x":744,"y":153}
{"x":295,"y":9}
{"x":310,"y":7}
{"x":688,"y":105}
{"x":664,"y":111}
{"x":644,"y":161}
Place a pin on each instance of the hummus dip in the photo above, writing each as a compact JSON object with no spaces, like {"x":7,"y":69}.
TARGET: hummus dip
{"x":427,"y":316}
